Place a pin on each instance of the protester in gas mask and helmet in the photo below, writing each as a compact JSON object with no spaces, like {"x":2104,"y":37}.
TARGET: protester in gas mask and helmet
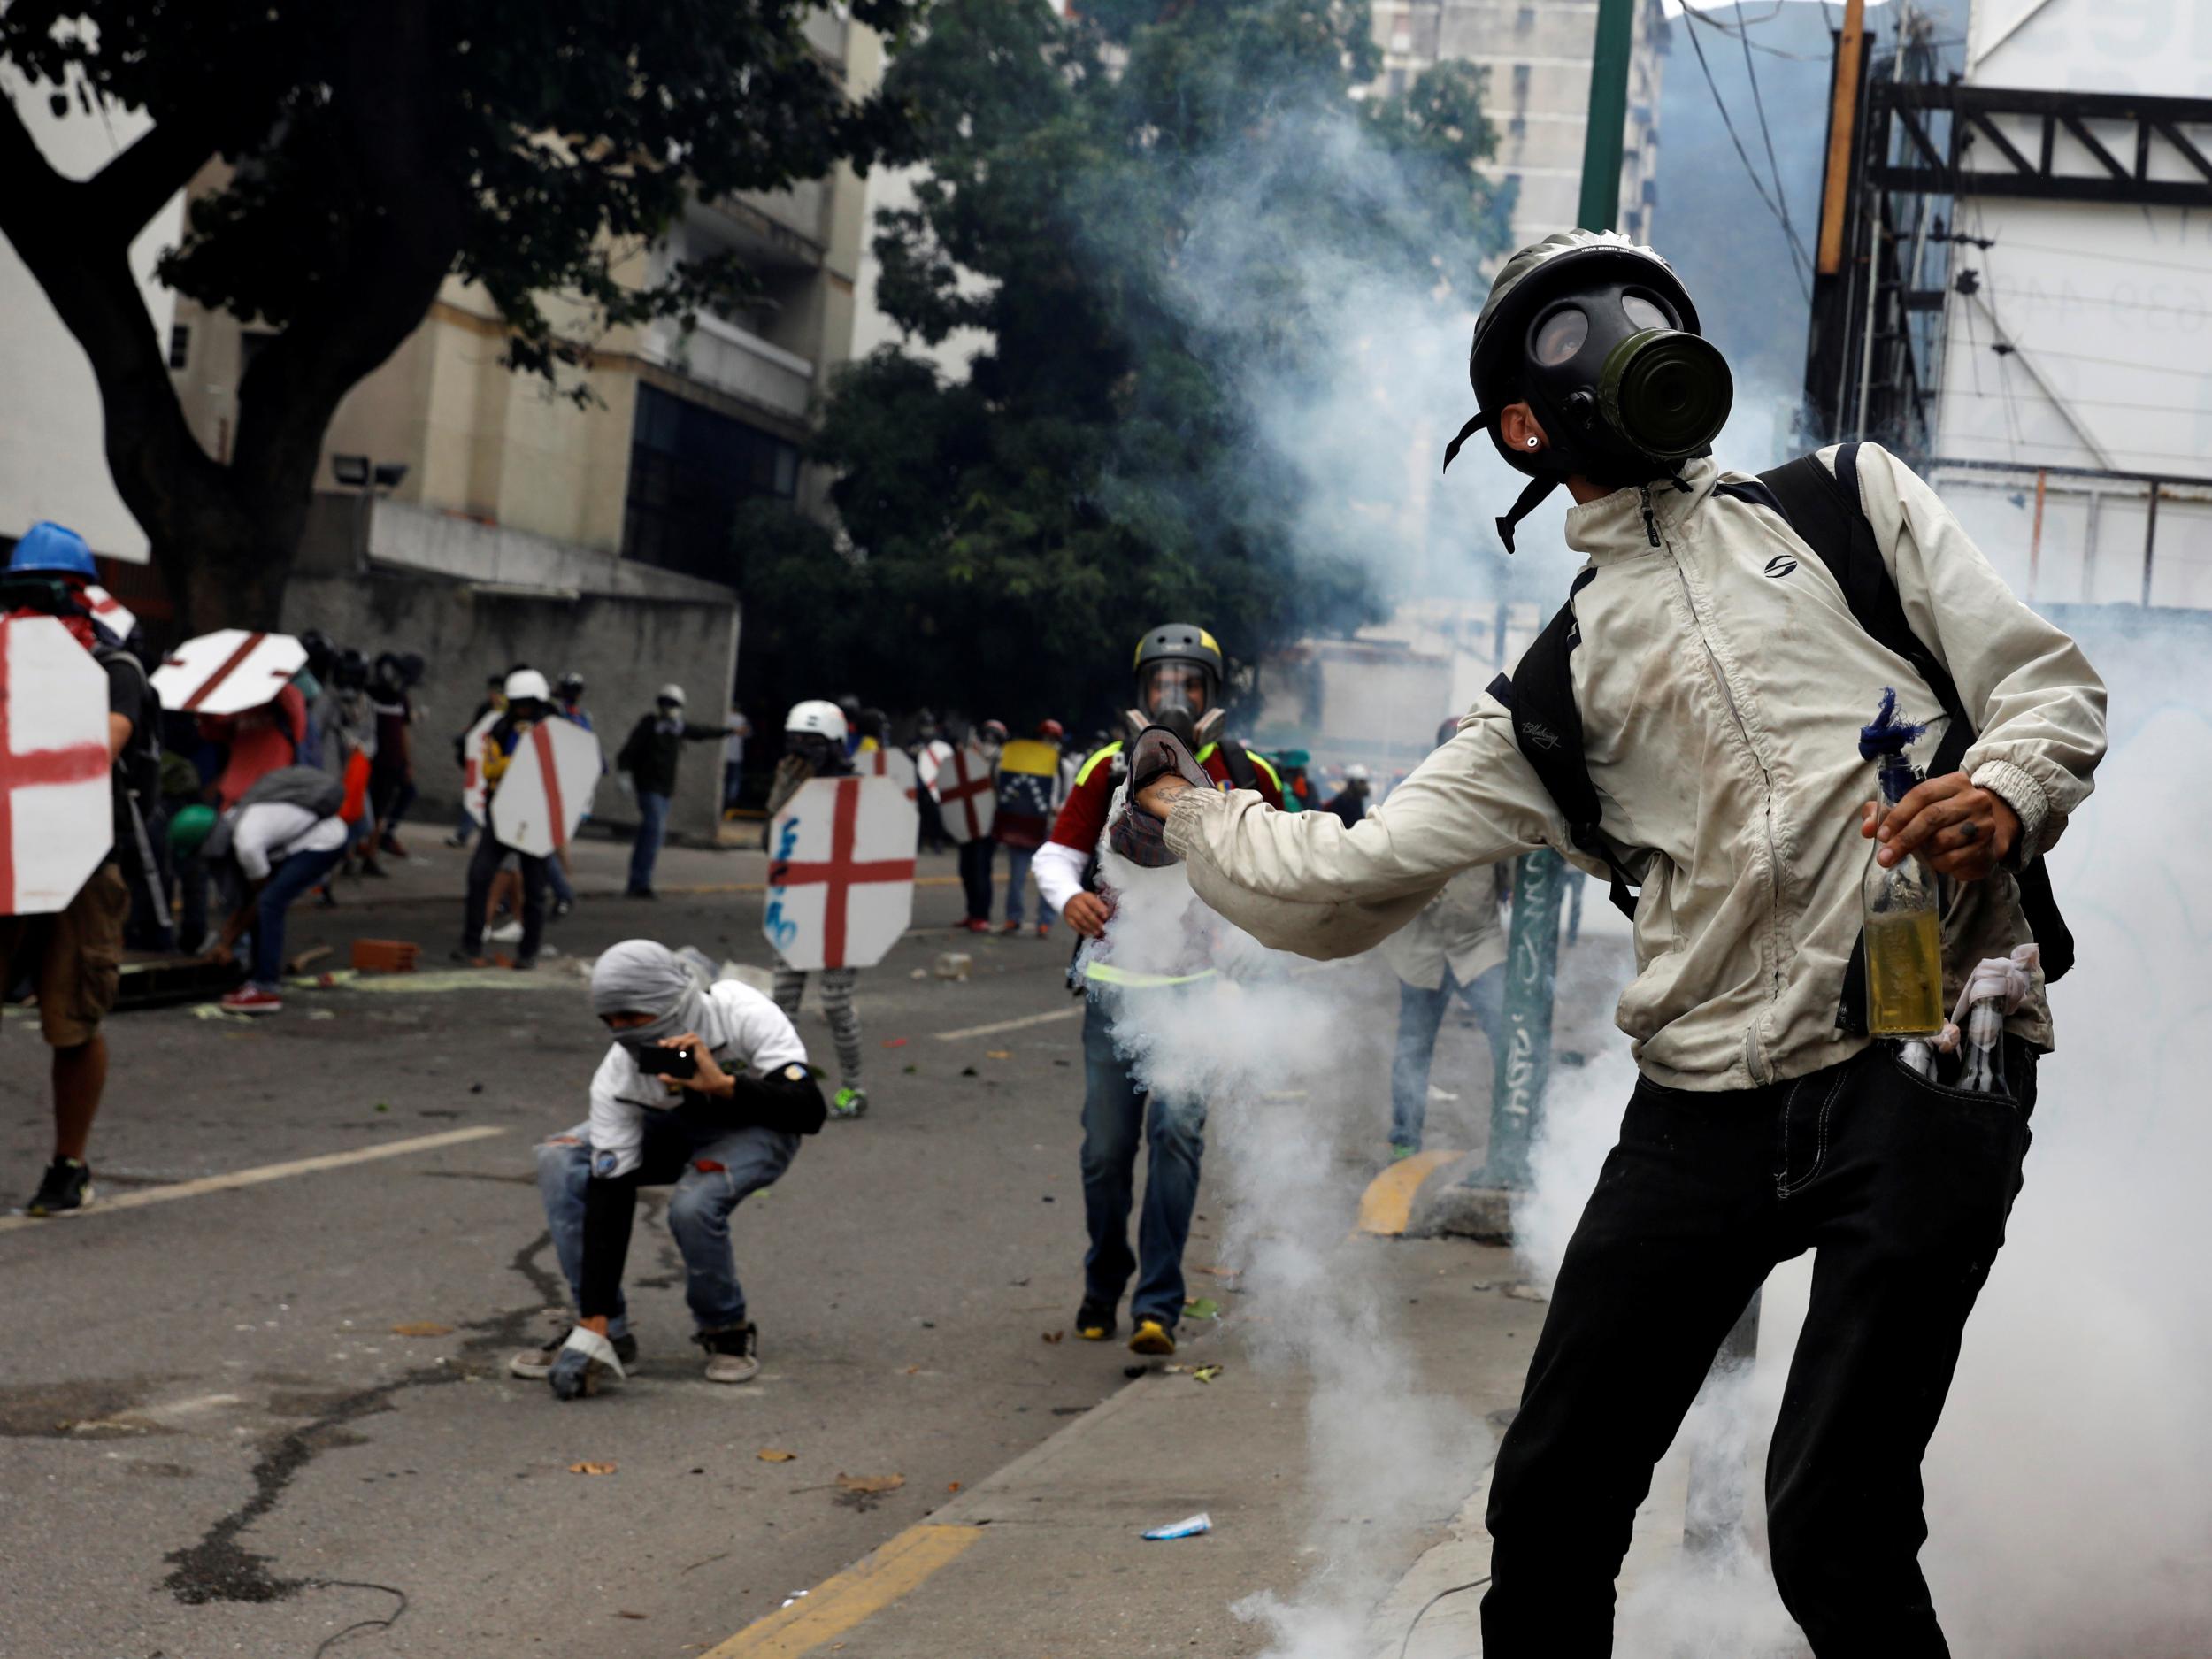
{"x":814,"y":742}
{"x":1179,"y":676}
{"x":705,"y":1091}
{"x":978,"y":851}
{"x":1689,"y":726}
{"x":529,"y":700}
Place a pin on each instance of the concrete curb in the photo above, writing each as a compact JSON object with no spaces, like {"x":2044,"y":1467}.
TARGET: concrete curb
{"x":1445,"y":1205}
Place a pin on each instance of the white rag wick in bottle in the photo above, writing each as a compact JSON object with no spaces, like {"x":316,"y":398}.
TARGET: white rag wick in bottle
{"x":1904,"y":928}
{"x":1994,"y":989}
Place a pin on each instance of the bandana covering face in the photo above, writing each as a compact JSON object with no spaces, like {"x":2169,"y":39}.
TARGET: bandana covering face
{"x":640,"y":976}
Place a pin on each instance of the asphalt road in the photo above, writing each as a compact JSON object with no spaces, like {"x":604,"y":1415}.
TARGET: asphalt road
{"x":213,"y":1440}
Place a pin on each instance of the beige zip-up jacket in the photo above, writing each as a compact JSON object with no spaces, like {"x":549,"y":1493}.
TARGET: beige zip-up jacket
{"x":1722,"y":681}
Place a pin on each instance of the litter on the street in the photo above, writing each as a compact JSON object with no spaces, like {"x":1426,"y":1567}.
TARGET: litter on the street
{"x":1190,"y":1526}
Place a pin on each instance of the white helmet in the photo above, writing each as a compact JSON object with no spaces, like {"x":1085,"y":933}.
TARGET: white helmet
{"x":1357,"y":773}
{"x":824,"y":719}
{"x":527,"y":683}
{"x":670,"y":694}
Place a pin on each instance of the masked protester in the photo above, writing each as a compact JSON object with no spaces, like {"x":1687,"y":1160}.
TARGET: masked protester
{"x":1178,"y":675}
{"x":814,"y":742}
{"x":1703,"y":750}
{"x":717,"y":1121}
{"x":529,"y":700}
{"x":495,"y":697}
{"x":649,"y":755}
{"x":72,"y":957}
{"x":977,"y":852}
{"x":568,"y":704}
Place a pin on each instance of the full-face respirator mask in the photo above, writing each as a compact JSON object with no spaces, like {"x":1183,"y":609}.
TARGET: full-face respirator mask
{"x":1601,"y":339}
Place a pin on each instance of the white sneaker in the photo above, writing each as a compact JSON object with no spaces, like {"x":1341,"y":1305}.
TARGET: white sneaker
{"x":505,"y":934}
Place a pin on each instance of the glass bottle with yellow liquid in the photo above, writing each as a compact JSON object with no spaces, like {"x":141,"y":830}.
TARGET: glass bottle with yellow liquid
{"x":1904,"y":930}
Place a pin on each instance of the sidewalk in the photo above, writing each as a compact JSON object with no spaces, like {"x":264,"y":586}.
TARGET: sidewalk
{"x":1047,"y":1556}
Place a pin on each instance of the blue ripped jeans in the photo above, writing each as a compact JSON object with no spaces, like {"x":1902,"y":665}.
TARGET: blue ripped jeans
{"x":713,"y":1168}
{"x":1115,"y":1108}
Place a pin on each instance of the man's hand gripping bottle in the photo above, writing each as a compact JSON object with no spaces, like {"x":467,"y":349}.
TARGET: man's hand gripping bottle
{"x":1904,"y":925}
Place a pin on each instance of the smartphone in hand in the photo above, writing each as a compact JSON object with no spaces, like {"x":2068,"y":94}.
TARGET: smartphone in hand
{"x":658,"y":1060}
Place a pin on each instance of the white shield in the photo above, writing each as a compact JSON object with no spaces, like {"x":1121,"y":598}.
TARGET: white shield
{"x":547,"y":787}
{"x":56,"y":813}
{"x":964,"y":794}
{"x":472,"y":790}
{"x":894,"y":763}
{"x":840,"y":873}
{"x":227,"y":671}
{"x":111,"y":613}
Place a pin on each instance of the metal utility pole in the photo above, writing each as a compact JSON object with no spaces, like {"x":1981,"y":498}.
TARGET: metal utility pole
{"x":1542,"y":878}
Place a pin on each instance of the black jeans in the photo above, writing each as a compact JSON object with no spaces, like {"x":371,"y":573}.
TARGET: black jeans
{"x":1902,"y":1187}
{"x":975,"y":876}
{"x":483,"y":865}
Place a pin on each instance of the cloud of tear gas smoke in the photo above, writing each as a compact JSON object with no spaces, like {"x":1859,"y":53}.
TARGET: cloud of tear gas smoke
{"x":2069,"y":1487}
{"x":1390,"y":1457}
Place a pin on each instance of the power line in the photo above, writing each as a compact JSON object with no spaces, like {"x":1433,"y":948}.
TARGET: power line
{"x":1799,"y":264}
{"x":2115,"y":363}
{"x":1774,"y":167}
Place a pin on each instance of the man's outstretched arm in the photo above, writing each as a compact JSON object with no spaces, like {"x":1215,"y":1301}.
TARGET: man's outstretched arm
{"x":1308,"y":883}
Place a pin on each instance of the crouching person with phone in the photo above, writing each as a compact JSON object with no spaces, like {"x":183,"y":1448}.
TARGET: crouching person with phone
{"x":706,"y":1090}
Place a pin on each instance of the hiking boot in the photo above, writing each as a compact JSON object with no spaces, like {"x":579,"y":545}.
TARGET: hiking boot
{"x":537,"y":1363}
{"x":66,"y":1187}
{"x":252,"y":999}
{"x":849,"y":1102}
{"x":733,"y":1353}
{"x":1152,"y":1335}
{"x":1094,"y":1320}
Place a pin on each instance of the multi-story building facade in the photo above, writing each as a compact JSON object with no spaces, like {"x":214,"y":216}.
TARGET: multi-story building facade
{"x":1537,"y":53}
{"x":680,"y":427}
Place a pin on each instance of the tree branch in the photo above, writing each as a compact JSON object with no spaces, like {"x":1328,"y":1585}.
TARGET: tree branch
{"x":131,"y":189}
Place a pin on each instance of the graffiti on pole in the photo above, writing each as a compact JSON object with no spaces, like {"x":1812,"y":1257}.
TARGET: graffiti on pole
{"x":1523,"y":1060}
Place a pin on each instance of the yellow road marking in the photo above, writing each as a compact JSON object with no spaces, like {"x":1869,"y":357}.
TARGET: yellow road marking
{"x":860,"y":1592}
{"x":266,"y":1173}
{"x":1386,"y":1206}
{"x":1021,"y":1024}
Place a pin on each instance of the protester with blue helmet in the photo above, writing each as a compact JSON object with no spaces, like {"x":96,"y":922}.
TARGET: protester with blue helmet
{"x":70,"y":956}
{"x":47,"y":546}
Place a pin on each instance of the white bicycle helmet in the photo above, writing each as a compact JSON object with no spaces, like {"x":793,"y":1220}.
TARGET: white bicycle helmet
{"x":823,"y":719}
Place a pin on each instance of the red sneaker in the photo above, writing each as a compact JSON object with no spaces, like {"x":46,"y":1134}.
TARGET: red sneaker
{"x":252,"y":999}
{"x":1044,"y":930}
{"x":976,"y":924}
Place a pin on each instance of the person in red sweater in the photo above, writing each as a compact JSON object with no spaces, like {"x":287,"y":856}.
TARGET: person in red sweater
{"x":1179,"y":676}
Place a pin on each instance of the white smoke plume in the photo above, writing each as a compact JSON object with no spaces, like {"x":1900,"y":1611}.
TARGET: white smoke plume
{"x":1392,"y":1456}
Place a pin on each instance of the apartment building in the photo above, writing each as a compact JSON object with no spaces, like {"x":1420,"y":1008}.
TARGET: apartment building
{"x":679,"y":428}
{"x":1537,"y":53}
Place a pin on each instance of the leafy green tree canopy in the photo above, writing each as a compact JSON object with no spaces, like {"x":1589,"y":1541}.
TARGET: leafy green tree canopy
{"x":374,"y":149}
{"x":1159,"y":211}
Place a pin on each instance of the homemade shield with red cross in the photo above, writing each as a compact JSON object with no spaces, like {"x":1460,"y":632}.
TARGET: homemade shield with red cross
{"x":547,"y":787}
{"x":57,"y":814}
{"x":473,"y":791}
{"x":840,"y":872}
{"x":227,"y":671}
{"x":111,"y":613}
{"x":894,"y":763}
{"x":964,"y":794}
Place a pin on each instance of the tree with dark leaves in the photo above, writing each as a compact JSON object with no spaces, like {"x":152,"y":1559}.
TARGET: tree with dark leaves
{"x":370,"y":152}
{"x":1153,"y":209}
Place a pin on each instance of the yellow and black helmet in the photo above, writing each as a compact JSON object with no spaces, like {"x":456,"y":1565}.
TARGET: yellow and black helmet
{"x":1182,"y":643}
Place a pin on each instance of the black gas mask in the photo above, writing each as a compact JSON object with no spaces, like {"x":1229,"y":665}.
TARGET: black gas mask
{"x":1622,"y":390}
{"x":1602,"y":340}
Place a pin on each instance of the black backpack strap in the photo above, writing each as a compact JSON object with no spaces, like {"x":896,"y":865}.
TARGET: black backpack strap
{"x":1236,"y":760}
{"x":1825,"y":510}
{"x":1548,"y":726}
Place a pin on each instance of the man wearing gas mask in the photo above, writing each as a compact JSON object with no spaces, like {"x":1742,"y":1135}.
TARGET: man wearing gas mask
{"x":1688,"y":727}
{"x":1178,"y":675}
